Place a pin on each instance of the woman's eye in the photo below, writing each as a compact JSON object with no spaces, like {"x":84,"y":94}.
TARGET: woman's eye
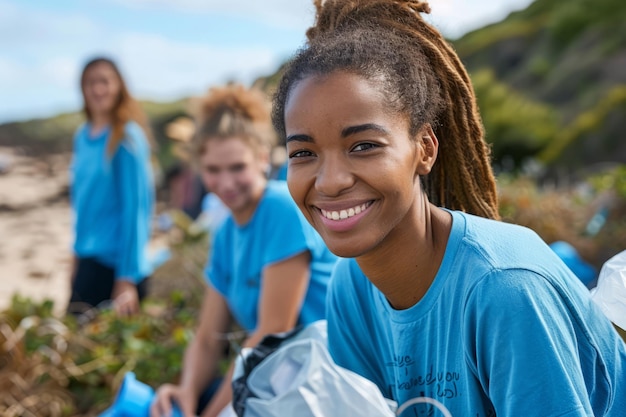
{"x":300,"y":154}
{"x":363,"y":147}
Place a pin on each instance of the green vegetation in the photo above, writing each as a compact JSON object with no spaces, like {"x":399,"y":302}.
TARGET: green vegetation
{"x":565,"y":61}
{"x":58,"y":367}
{"x":517,"y":127}
{"x":587,"y":122}
{"x":570,"y":19}
{"x":613,"y":180}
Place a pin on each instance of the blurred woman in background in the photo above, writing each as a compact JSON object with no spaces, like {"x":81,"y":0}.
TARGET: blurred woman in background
{"x":112,"y":194}
{"x":268,"y":269}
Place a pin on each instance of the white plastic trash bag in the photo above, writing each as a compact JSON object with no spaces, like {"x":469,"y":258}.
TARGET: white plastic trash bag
{"x":610,"y":293}
{"x":299,"y":378}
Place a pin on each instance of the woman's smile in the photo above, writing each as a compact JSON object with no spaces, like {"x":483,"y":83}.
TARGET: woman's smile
{"x":344,"y":219}
{"x":345,"y":214}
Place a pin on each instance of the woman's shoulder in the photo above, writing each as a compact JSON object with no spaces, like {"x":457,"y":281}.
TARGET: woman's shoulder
{"x":481,"y":223}
{"x":134,"y":131}
{"x":134,"y":137}
{"x":503,"y":249}
{"x":347,"y":276}
{"x":496,"y":236}
{"x":80,"y":131}
{"x":277,"y":189}
{"x":277,"y":196}
{"x":349,"y":287}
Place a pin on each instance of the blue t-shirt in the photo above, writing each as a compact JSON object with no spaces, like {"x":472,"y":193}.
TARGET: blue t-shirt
{"x":505,"y":329}
{"x":113,"y":199}
{"x":276,"y":232}
{"x":281,"y":173}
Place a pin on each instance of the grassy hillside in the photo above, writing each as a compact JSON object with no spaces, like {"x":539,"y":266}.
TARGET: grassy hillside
{"x":54,"y":134}
{"x":567,"y":57}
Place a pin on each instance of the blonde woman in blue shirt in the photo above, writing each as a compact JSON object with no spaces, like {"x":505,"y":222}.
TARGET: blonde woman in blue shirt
{"x":112,"y":194}
{"x":268,"y":269}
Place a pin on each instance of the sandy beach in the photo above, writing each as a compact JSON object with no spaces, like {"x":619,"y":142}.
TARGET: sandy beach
{"x":35,"y":228}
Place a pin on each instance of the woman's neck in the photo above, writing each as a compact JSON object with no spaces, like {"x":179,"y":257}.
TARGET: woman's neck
{"x":405,"y":265}
{"x":99,"y":122}
{"x":243,"y":216}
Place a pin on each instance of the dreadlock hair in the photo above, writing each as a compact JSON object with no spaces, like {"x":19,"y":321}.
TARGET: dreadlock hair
{"x":234,"y":111}
{"x":125,"y":109}
{"x":388,"y":42}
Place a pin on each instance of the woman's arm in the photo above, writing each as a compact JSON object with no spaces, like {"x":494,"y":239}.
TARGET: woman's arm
{"x":284,"y":286}
{"x":200,"y":360}
{"x":133,"y":173}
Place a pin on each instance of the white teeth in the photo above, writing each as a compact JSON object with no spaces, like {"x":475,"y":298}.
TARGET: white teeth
{"x":344,"y":214}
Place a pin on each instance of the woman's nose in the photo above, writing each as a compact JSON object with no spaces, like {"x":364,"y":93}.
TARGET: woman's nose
{"x":333,"y":176}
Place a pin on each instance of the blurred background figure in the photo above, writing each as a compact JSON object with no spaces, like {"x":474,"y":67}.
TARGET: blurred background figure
{"x":112,"y":194}
{"x":267,"y":270}
{"x":185,"y":190}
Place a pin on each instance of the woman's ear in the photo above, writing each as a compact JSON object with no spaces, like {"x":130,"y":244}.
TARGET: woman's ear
{"x":428,"y":146}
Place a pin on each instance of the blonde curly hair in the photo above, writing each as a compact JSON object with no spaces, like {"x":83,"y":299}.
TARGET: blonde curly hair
{"x":234,"y":111}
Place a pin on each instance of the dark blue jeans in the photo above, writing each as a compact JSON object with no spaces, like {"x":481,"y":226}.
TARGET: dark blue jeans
{"x":207,"y":395}
{"x":93,"y":284}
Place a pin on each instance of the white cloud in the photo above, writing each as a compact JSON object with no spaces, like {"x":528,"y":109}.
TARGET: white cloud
{"x":41,"y":61}
{"x":285,"y":13}
{"x":62,"y":72}
{"x":158,"y":67}
{"x":456,"y":17}
{"x":9,"y":71}
{"x":30,"y":28}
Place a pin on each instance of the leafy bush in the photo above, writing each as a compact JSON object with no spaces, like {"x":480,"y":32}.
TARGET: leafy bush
{"x":72,"y":366}
{"x":565,"y":214}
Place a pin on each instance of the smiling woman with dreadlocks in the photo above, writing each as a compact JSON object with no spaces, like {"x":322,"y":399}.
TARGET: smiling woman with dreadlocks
{"x":439,"y":303}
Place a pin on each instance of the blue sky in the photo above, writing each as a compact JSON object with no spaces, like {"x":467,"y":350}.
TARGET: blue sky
{"x":166,"y":49}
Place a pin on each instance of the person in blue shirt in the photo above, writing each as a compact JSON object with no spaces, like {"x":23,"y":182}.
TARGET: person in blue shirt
{"x":112,"y":194}
{"x":448,"y":310}
{"x":268,"y":269}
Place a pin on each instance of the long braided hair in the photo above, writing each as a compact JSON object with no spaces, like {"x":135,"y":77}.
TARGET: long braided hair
{"x":388,"y":42}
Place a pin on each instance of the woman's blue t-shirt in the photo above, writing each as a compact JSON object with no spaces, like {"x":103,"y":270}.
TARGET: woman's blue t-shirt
{"x":505,"y":329}
{"x":277,"y":231}
{"x":113,"y":200}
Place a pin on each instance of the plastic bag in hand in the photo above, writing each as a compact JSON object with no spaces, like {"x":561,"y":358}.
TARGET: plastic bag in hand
{"x":298,"y":377}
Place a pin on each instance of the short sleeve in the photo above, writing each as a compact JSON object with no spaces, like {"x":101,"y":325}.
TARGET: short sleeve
{"x":285,"y":238}
{"x":521,"y":340}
